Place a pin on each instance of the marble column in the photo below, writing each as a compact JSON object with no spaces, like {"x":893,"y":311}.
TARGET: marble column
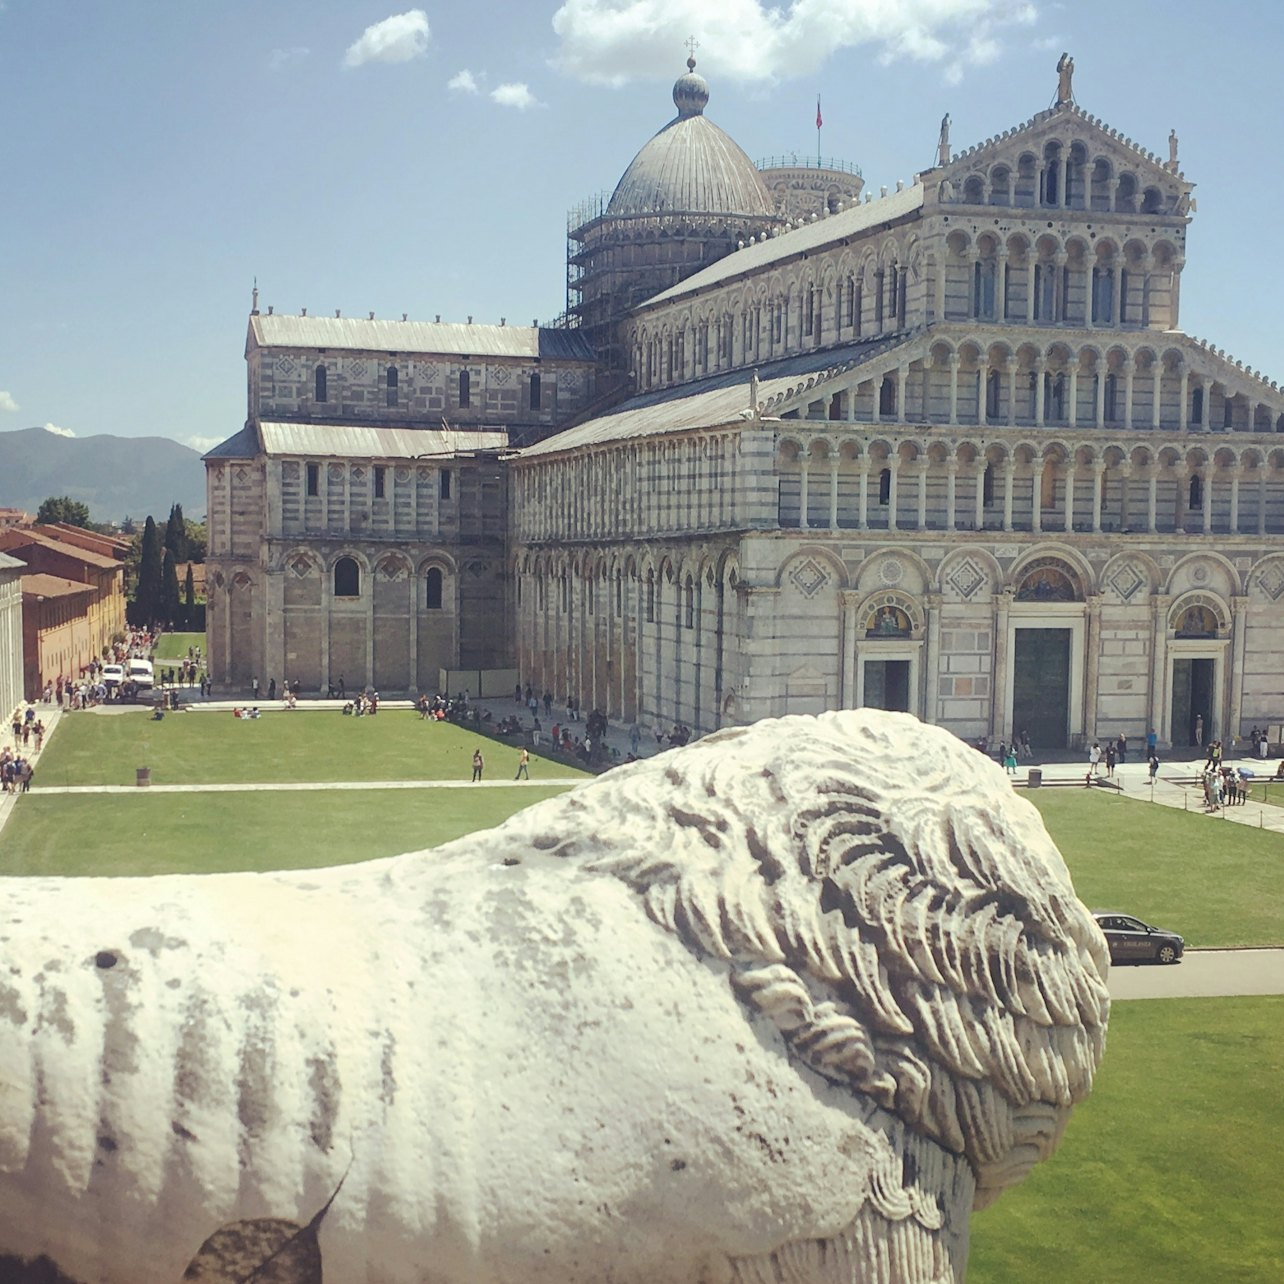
{"x":999,"y":713}
{"x":1039,"y":390}
{"x":1070,"y":471}
{"x":1103,"y":372}
{"x":1009,"y":472}
{"x":1157,"y":400}
{"x":1235,"y":678}
{"x":803,"y":491}
{"x":862,"y":511}
{"x":1159,"y":711}
{"x":891,"y":494}
{"x":1098,"y":484}
{"x":1206,"y":495}
{"x":932,"y":658}
{"x":1261,"y":500}
{"x":1011,"y":368}
{"x":1036,"y":494}
{"x":923,"y":467}
{"x":954,"y":388}
{"x":1152,"y":498}
{"x":1092,"y":679}
{"x":951,"y":484}
{"x":847,"y":649}
{"x":1128,"y":367}
{"x":1183,"y":415}
{"x":1074,"y":394}
{"x":980,"y":495}
{"x":1235,"y":474}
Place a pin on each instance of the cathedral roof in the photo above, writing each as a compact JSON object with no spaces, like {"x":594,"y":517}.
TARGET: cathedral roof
{"x":359,"y":334}
{"x":691,"y":166}
{"x":802,"y":240}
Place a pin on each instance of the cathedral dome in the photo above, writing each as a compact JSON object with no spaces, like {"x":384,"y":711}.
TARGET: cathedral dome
{"x":691,"y":166}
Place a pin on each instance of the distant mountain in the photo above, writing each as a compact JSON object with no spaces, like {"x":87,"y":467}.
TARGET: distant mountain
{"x":115,"y":476}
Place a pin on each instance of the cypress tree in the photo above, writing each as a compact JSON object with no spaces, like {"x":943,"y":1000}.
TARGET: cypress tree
{"x":189,"y":599}
{"x":150,"y":574}
{"x":176,"y":534}
{"x":171,"y":606}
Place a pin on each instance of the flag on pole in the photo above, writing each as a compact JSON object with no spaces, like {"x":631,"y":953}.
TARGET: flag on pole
{"x":819,"y":121}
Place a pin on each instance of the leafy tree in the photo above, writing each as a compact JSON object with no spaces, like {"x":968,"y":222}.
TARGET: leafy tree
{"x":171,"y":607}
{"x":62,"y":508}
{"x":129,"y":526}
{"x":148,"y":594}
{"x":197,"y":540}
{"x":176,"y":534}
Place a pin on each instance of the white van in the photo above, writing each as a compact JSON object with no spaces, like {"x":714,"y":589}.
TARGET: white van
{"x":141,"y":673}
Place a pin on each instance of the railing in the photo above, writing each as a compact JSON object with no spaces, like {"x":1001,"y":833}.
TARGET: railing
{"x":587,"y":210}
{"x":793,"y":160}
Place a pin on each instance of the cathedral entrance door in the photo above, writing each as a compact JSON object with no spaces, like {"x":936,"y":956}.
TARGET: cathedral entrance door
{"x":887,"y":685}
{"x":1192,"y":687}
{"x":1041,"y":687}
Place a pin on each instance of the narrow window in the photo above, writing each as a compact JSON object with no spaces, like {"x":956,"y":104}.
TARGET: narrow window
{"x":347,"y":578}
{"x":650,"y":598}
{"x":1123,"y":296}
{"x":992,"y":392}
{"x":392,"y":385}
{"x":314,"y":479}
{"x":1196,"y":499}
{"x":1228,"y":412}
{"x":690,"y":603}
{"x":433,"y":599}
{"x":444,"y":484}
{"x":534,"y":392}
{"x":885,"y":486}
{"x":858,"y":307}
{"x":320,"y":384}
{"x":379,"y":476}
{"x":987,"y":485}
{"x":887,"y":397}
{"x":464,"y":389}
{"x":1197,"y":406}
{"x":1111,"y":398}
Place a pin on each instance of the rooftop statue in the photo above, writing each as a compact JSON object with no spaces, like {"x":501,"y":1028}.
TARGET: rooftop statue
{"x":943,"y":154}
{"x":1065,"y":79}
{"x":786,"y":1004}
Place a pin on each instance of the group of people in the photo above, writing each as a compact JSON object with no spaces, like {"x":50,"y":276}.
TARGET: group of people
{"x":362,"y":704}
{"x":16,"y":771}
{"x":1224,"y":786}
{"x":28,"y":729}
{"x":530,"y":699}
{"x":16,"y":767}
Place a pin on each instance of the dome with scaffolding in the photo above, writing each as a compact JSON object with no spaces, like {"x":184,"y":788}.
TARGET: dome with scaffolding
{"x":691,"y":166}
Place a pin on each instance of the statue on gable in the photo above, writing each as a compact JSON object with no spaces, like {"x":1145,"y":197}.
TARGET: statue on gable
{"x":1065,"y":78}
{"x":1172,"y":150}
{"x":943,"y":141}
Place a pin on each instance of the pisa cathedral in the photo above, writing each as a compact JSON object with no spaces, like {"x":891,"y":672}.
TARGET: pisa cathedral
{"x":791,"y":448}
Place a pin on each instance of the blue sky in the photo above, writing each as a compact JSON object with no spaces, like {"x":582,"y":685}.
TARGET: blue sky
{"x":158,"y":156}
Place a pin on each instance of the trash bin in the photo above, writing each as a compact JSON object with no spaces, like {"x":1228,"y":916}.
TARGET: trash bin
{"x":144,"y":777}
{"x":1035,"y":779}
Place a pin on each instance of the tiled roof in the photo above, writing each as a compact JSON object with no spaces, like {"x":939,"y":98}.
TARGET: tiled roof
{"x":368,"y":441}
{"x":13,"y":540}
{"x":39,"y":585}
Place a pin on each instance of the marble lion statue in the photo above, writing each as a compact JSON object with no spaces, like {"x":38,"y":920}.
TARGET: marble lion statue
{"x":782,"y":1006}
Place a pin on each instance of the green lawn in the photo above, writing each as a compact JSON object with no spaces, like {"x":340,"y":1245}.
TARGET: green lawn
{"x":172,"y":647}
{"x":146,"y":833}
{"x":1215,"y":882}
{"x":1169,"y":1172}
{"x":306,"y":745}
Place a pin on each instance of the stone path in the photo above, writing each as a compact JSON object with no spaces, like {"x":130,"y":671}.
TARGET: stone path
{"x":1202,"y":974}
{"x":314,"y":786}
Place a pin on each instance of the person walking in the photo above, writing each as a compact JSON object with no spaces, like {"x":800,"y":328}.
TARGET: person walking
{"x":523,"y":764}
{"x":478,"y":764}
{"x":1199,"y":730}
{"x":1153,"y":764}
{"x":254,"y":687}
{"x":1094,"y":763}
{"x":1110,"y":759}
{"x":1121,"y":749}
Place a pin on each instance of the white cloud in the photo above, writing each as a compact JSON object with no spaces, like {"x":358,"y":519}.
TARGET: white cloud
{"x":279,"y":58}
{"x":463,"y":82}
{"x":514,"y":94}
{"x":7,"y":402}
{"x":615,"y":41}
{"x":202,"y":443}
{"x":59,"y":432}
{"x":397,"y":39}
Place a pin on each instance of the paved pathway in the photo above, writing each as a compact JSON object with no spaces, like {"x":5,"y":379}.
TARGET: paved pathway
{"x":316,"y":786}
{"x":1201,"y":974}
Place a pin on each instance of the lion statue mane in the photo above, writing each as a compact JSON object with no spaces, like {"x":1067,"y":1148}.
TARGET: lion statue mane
{"x":781,"y":1006}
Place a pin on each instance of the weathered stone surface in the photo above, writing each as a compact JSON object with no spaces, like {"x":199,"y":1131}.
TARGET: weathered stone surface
{"x":786,"y":1004}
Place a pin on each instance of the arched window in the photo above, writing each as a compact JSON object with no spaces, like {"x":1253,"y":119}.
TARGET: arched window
{"x":689,"y":602}
{"x":320,"y":390}
{"x":650,"y":598}
{"x":887,"y":396}
{"x":1197,"y":406}
{"x":993,"y":386}
{"x":535,"y":392}
{"x":347,"y":578}
{"x":1196,"y":496}
{"x":434,"y":581}
{"x":987,"y":485}
{"x":885,"y":486}
{"x":465,"y":389}
{"x":392,"y":385}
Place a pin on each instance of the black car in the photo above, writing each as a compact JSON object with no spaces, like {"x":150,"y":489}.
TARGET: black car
{"x":1132,"y":941}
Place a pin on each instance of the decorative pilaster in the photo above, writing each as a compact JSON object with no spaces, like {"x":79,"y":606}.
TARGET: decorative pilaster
{"x":1093,"y":677}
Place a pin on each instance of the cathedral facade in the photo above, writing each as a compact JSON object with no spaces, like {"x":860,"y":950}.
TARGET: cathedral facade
{"x":947,"y":450}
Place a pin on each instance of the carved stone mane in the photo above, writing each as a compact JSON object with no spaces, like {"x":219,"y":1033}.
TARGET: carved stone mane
{"x":785,"y":1004}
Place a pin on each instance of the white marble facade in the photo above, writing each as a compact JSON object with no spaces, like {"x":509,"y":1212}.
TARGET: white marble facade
{"x":984,"y":477}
